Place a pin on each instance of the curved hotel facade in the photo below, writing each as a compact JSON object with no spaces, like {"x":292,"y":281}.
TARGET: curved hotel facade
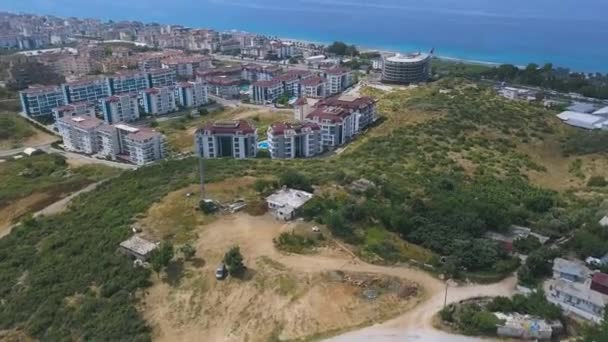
{"x":411,"y":68}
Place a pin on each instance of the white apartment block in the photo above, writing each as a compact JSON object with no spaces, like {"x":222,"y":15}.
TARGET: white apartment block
{"x":313,"y":87}
{"x":338,"y":79}
{"x":88,"y":89}
{"x":231,"y":139}
{"x":192,"y":94}
{"x":79,"y":133}
{"x":120,"y":108}
{"x":137,"y":145}
{"x":265,"y":92}
{"x":159,"y":101}
{"x":297,"y":140}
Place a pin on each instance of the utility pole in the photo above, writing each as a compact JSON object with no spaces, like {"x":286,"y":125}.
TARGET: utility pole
{"x":201,"y":168}
{"x":445,"y":298}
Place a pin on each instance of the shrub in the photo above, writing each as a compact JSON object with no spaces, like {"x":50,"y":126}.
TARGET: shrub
{"x":294,"y":243}
{"x":234,"y":261}
{"x":598,"y":181}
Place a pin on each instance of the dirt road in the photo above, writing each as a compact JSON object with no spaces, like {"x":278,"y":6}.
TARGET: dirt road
{"x":254,"y":236}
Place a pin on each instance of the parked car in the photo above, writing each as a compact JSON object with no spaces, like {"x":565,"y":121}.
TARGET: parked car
{"x":221,"y":271}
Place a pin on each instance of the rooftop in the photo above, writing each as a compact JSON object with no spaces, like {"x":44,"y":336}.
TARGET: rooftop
{"x":408,"y":58}
{"x":138,"y":245}
{"x":312,"y":81}
{"x":580,"y":291}
{"x":268,"y":83}
{"x":579,"y":119}
{"x":289,"y":198}
{"x":229,"y":127}
{"x":83,"y":122}
{"x":143,"y":134}
{"x":570,"y":267}
{"x":582,"y":107}
{"x":281,"y":127}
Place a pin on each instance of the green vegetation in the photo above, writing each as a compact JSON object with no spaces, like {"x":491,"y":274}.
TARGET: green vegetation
{"x":596,"y":332}
{"x":586,"y":142}
{"x":527,"y":245}
{"x":188,"y":251}
{"x":14,"y":128}
{"x":342,"y":49}
{"x":296,"y":243}
{"x":295,"y":180}
{"x":234,"y":261}
{"x":477,"y":318}
{"x":160,"y":257}
{"x":538,"y":266}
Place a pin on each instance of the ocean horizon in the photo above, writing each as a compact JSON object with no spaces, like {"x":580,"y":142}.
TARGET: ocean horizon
{"x":568,"y":33}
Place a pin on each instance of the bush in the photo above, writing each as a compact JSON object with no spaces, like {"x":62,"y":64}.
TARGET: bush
{"x":598,"y":181}
{"x":295,"y":180}
{"x":527,"y":245}
{"x":234,"y":261}
{"x":208,"y":206}
{"x":294,"y":243}
{"x":188,"y":251}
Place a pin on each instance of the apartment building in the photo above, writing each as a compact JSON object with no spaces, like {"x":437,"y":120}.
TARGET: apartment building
{"x":264,"y":92}
{"x":313,"y":87}
{"x":39,"y":101}
{"x":338,"y":80}
{"x":75,"y":109}
{"x":158,"y":78}
{"x":86,"y":89}
{"x":291,"y":81}
{"x":186,"y":66}
{"x":578,"y":290}
{"x":192,"y":94}
{"x":79,"y":133}
{"x":126,"y":82}
{"x":120,"y":108}
{"x":294,"y":140}
{"x":232,"y":139}
{"x":159,"y":101}
{"x":137,"y":145}
{"x":340,"y":118}
{"x":254,"y":72}
{"x":224,"y":87}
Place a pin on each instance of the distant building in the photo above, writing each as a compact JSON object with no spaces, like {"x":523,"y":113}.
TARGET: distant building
{"x":192,"y":94}
{"x":338,"y":80}
{"x":79,"y":133}
{"x":294,"y":140}
{"x":523,"y":326}
{"x":284,"y":203}
{"x":224,"y":87}
{"x":512,"y":93}
{"x":583,"y":120}
{"x":186,"y":66}
{"x":255,"y":72}
{"x":158,"y":78}
{"x":126,"y":82}
{"x":234,"y":139}
{"x":264,"y":92}
{"x":120,"y":108}
{"x":313,"y":87}
{"x":39,"y":101}
{"x":75,"y":109}
{"x":406,"y":69}
{"x":291,"y":81}
{"x":86,"y":89}
{"x":582,"y":107}
{"x":159,"y":101}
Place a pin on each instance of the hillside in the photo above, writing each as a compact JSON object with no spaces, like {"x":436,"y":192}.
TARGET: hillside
{"x":450,"y":161}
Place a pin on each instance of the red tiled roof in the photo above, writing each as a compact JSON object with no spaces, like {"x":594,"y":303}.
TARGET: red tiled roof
{"x":143,"y":134}
{"x":358,"y":102}
{"x":301,"y":101}
{"x":229,"y":127}
{"x":266,"y":84}
{"x":224,"y":81}
{"x":312,"y":81}
{"x":333,"y":114}
{"x":600,"y":278}
{"x":84,"y":122}
{"x":337,"y":71}
{"x":281,"y":127}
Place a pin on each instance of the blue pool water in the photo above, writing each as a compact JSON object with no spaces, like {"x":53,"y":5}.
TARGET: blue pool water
{"x":263,"y":145}
{"x":571,"y":33}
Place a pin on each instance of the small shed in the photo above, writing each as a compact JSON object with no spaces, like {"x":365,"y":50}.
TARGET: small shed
{"x":138,"y":247}
{"x":284,"y":203}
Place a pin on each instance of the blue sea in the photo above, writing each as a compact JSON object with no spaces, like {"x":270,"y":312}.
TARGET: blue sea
{"x":569,"y":33}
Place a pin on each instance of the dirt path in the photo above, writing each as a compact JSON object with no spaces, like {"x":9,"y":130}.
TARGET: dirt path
{"x":62,"y":204}
{"x":254,"y":236}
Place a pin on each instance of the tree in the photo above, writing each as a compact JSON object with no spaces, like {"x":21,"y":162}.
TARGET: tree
{"x":234,"y":261}
{"x":161,"y":257}
{"x":527,"y":245}
{"x":203,"y":111}
{"x":295,"y":180}
{"x":596,"y":333}
{"x":188,"y":251}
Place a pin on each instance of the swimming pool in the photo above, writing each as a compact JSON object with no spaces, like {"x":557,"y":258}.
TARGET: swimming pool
{"x":263,"y":145}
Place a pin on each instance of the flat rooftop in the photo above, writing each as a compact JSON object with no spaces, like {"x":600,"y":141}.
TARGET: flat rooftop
{"x":408,"y":58}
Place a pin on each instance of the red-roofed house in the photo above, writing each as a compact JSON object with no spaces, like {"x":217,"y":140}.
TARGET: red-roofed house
{"x":294,"y":140}
{"x":234,"y":139}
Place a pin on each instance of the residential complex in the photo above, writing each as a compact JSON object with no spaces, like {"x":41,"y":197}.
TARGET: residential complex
{"x":74,"y":109}
{"x":79,"y":133}
{"x":120,"y":108}
{"x":161,"y":78}
{"x":294,"y":140}
{"x":92,"y":136}
{"x":406,"y":69}
{"x":340,"y":117}
{"x":126,"y":82}
{"x":192,"y":94}
{"x":235,"y":139}
{"x":159,"y":101}
{"x":269,"y":91}
{"x":187,"y":66}
{"x":338,"y":80}
{"x":39,"y":101}
{"x":313,"y":87}
{"x":224,"y":87}
{"x":86,"y":89}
